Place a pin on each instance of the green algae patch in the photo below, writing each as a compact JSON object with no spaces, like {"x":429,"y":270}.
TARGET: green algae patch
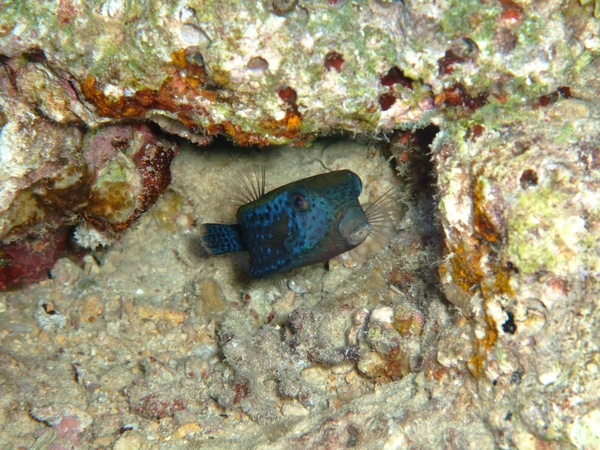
{"x":536,"y":240}
{"x":470,"y":17}
{"x":114,"y":171}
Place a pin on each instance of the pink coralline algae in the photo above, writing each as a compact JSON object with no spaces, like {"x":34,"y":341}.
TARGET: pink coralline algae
{"x":29,"y":260}
{"x":131,"y":168}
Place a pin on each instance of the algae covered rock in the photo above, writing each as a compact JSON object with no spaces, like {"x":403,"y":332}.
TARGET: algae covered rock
{"x":519,"y":206}
{"x":272,"y":72}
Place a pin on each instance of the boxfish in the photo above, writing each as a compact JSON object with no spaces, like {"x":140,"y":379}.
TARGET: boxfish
{"x":302,"y":223}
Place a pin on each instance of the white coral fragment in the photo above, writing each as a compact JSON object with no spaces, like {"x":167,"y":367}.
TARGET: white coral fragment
{"x":89,"y":237}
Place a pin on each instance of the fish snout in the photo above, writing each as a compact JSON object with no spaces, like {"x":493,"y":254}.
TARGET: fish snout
{"x":354,"y":226}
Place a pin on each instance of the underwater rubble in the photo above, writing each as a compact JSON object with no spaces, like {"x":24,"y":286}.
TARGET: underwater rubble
{"x":122,"y":126}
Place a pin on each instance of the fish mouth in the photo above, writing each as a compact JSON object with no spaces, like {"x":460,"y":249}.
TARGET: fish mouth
{"x":355,"y":227}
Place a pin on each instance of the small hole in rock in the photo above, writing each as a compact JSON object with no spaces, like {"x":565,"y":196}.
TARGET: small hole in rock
{"x":509,"y":326}
{"x":528,"y":178}
{"x":258,"y":65}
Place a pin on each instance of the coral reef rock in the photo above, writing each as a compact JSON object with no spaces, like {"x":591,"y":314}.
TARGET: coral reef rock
{"x":519,"y":206}
{"x":475,"y":327}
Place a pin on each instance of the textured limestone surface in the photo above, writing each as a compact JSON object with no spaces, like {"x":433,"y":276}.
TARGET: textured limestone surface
{"x":520,"y":208}
{"x":271,"y":71}
{"x":476,"y":327}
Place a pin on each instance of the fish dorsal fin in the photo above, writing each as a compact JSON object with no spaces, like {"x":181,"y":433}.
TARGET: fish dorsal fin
{"x":247,"y":185}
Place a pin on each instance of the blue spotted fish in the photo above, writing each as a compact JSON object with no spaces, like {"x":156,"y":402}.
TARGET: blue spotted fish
{"x":296,"y":225}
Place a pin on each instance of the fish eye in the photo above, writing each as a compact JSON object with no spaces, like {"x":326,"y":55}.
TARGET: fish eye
{"x":300,"y":202}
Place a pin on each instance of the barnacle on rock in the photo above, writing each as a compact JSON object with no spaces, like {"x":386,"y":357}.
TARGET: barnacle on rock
{"x":334,"y":60}
{"x":173,"y":126}
{"x":257,"y":66}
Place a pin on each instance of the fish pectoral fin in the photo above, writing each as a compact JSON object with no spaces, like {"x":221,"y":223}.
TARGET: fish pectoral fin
{"x":270,"y":254}
{"x":290,"y":242}
{"x":266,"y":259}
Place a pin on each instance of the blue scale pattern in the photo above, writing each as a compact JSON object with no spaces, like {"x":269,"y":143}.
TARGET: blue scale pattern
{"x":266,"y":229}
{"x":223,"y":238}
{"x":281,"y":234}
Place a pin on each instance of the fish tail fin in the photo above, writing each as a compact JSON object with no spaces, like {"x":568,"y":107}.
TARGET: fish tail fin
{"x":218,"y":238}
